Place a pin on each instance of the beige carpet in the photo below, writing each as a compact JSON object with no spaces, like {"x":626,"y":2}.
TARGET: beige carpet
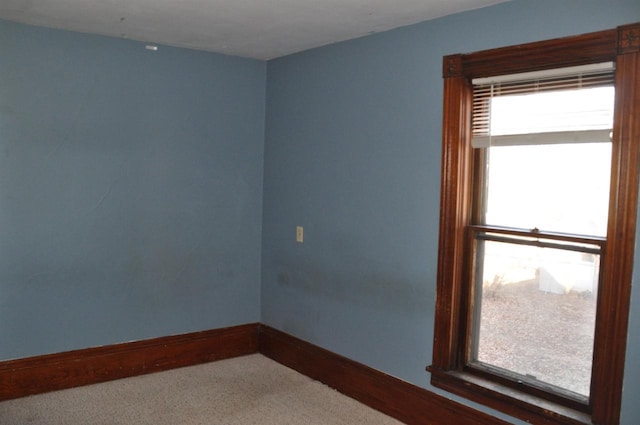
{"x":244,"y":390}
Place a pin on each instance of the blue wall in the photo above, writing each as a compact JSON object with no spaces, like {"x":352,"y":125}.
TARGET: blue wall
{"x":131,"y":187}
{"x":353,"y":154}
{"x":130,"y":190}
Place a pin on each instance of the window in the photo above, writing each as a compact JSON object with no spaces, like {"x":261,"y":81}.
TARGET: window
{"x":537,"y":229}
{"x":544,"y":166}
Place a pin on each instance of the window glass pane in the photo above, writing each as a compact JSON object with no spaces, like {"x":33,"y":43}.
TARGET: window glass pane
{"x":534,"y":313}
{"x":561,"y":188}
{"x":567,"y":110}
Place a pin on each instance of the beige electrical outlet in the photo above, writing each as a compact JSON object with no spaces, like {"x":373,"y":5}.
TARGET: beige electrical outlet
{"x":299,"y":234}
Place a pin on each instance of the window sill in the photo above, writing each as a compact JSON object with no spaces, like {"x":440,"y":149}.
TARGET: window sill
{"x":505,"y":399}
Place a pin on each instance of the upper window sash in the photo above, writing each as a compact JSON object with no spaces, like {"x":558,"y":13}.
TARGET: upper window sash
{"x":563,"y":105}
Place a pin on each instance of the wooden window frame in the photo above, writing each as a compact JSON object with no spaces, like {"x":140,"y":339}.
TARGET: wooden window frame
{"x":449,"y":370}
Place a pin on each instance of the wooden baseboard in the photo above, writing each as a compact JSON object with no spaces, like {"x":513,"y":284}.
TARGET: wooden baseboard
{"x":399,"y":399}
{"x":34,"y":375}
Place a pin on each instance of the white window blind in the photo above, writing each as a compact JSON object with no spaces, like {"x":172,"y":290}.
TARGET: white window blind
{"x":564,"y":105}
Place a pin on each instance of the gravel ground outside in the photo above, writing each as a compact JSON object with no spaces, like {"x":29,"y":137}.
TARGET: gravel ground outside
{"x":538,"y":334}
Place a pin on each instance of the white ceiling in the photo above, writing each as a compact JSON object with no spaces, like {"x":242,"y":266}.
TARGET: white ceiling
{"x":261,"y":29}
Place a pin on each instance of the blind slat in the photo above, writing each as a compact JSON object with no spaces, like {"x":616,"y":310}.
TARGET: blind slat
{"x":557,"y":80}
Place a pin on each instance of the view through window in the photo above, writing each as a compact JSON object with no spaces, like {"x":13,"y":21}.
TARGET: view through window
{"x":535,"y":296}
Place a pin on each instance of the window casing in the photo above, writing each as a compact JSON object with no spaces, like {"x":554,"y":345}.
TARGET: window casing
{"x":451,"y":368}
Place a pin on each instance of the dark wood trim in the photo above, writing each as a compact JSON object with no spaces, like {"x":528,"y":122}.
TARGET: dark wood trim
{"x":452,"y":66}
{"x":399,"y":399}
{"x":622,"y":46}
{"x":629,"y":39}
{"x":34,"y":375}
{"x":612,"y":320}
{"x":540,"y":411}
{"x":586,"y":48}
{"x":455,"y":210}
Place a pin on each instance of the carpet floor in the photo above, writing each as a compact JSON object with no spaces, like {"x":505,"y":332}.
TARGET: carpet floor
{"x":244,"y":390}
